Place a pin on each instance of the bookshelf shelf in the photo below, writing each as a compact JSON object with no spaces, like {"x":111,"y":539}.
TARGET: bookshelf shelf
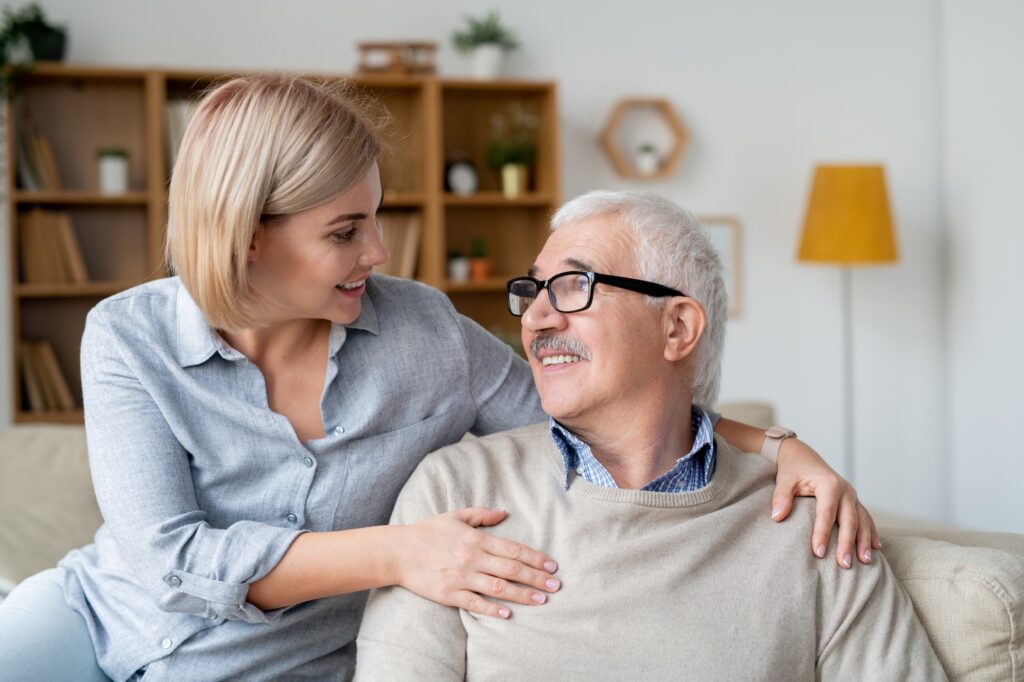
{"x":487,"y":286}
{"x":497,"y":199}
{"x":404,"y":199}
{"x":50,"y":416}
{"x":86,"y":290}
{"x":70,"y":111}
{"x":73,"y":198}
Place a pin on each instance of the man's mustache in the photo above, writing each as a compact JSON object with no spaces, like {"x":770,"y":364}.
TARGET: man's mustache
{"x":565,"y":344}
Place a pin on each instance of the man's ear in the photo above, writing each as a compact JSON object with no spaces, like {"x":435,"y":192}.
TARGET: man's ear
{"x":685,"y":321}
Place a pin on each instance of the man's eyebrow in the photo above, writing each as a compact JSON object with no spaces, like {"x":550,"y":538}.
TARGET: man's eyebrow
{"x":578,"y":264}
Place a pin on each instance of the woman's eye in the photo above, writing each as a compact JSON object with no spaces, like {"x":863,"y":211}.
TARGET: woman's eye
{"x":344,"y":236}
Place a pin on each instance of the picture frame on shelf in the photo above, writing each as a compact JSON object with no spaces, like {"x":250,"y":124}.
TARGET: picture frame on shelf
{"x":725,"y":234}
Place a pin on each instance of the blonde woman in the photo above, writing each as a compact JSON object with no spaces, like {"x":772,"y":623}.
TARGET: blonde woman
{"x":251,"y":421}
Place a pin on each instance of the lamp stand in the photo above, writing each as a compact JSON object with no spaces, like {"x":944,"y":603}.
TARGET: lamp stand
{"x":847,"y":296}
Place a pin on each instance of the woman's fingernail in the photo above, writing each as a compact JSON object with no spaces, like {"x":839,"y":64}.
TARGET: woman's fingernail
{"x":867,"y":555}
{"x":538,"y":597}
{"x":846,"y":561}
{"x":820,"y":552}
{"x":776,"y":511}
{"x":504,"y":613}
{"x":550,"y":566}
{"x":552,"y":583}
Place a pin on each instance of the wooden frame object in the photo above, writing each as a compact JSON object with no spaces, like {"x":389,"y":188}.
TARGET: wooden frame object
{"x":724,"y":232}
{"x":80,"y":109}
{"x":620,"y":159}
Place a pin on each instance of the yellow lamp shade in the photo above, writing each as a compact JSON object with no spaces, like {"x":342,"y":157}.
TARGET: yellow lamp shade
{"x":848,"y":219}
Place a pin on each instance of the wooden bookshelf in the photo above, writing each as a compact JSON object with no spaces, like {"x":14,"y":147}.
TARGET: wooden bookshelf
{"x":81,"y":108}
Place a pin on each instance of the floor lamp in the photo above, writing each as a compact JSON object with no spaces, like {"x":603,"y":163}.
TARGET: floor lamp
{"x":848,"y":223}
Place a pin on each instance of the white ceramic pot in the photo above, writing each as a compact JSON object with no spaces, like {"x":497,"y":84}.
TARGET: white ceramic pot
{"x":646,"y":161}
{"x":458,"y":269}
{"x":485,"y":61}
{"x":113,"y":172}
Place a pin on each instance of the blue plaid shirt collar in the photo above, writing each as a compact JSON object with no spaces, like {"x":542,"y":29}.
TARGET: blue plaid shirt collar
{"x":691,"y":472}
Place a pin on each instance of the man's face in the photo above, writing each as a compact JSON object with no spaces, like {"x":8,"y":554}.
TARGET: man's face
{"x":596,"y":363}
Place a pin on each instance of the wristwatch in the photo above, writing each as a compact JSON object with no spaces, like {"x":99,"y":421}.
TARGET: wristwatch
{"x":773,"y":438}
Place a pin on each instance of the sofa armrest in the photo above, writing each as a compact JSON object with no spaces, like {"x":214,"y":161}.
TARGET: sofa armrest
{"x":968,"y":591}
{"x":47,"y":506}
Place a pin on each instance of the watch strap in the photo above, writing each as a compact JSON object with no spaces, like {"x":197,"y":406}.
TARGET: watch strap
{"x":773,"y":438}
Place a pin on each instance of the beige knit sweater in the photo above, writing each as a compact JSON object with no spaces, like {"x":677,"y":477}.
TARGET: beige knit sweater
{"x":656,"y":586}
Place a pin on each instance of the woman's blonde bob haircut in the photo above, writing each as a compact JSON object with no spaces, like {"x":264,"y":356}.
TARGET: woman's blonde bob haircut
{"x":257,"y":147}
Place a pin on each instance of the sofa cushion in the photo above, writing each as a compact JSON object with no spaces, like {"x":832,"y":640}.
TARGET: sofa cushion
{"x":969,"y":598}
{"x":47,"y":504}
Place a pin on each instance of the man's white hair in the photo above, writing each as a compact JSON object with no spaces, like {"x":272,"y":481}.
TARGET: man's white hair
{"x":675,"y":251}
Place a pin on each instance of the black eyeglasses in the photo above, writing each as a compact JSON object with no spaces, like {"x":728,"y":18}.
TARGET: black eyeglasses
{"x":573,"y":291}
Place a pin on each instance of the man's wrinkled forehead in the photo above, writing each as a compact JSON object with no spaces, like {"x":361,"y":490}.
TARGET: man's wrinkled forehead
{"x":601,"y":244}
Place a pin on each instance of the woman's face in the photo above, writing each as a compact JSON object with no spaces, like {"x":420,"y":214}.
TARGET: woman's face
{"x":314,"y":264}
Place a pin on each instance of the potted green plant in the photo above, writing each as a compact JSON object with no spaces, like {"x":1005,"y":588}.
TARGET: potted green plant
{"x":512,"y":147}
{"x":486,"y":41}
{"x":26,"y":37}
{"x":646,"y":159}
{"x":479,"y":263}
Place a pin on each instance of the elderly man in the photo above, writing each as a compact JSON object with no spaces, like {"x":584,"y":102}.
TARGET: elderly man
{"x":670,"y":569}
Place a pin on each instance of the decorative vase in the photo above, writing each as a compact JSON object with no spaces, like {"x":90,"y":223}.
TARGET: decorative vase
{"x":458,"y":269}
{"x":47,"y":43}
{"x":113,"y":171}
{"x":485,"y":61}
{"x":479,"y":269}
{"x":513,"y":179}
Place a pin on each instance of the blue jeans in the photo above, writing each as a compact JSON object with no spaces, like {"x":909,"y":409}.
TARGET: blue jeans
{"x":41,"y":637}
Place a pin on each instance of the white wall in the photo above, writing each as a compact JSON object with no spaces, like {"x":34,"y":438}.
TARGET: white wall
{"x":984,"y":98}
{"x":767,"y":90}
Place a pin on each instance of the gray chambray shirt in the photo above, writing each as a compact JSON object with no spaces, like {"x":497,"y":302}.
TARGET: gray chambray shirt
{"x":203,"y":487}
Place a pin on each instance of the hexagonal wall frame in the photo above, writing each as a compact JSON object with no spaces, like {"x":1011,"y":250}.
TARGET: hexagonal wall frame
{"x":621,"y":160}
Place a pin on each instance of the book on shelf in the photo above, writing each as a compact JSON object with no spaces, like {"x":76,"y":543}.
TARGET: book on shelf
{"x":49,"y":250}
{"x":401,"y":236}
{"x":36,"y":161}
{"x":178,"y":113}
{"x":36,"y":399}
{"x":45,"y":386}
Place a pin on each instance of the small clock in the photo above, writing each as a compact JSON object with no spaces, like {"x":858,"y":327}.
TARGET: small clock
{"x":460,"y":178}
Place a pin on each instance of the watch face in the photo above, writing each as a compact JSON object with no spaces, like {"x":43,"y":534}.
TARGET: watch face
{"x":462,"y":178}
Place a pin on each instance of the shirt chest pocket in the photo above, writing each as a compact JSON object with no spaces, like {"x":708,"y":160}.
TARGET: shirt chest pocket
{"x":380,"y":465}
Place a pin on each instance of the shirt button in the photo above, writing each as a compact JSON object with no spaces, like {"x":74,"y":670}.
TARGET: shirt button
{"x":338,"y":430}
{"x":174,"y":581}
{"x":166,"y":643}
{"x":308,"y":461}
{"x":579,"y":470}
{"x":292,"y":518}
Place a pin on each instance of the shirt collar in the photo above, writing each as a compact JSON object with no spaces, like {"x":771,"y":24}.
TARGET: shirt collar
{"x":576,"y":452}
{"x":198,"y":341}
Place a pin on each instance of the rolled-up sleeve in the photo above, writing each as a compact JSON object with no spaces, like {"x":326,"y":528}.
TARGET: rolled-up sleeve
{"x":145,"y":491}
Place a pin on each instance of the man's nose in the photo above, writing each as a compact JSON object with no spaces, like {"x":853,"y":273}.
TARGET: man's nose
{"x":542,"y":315}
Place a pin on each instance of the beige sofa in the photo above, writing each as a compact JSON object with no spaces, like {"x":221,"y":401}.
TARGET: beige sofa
{"x":967,"y":588}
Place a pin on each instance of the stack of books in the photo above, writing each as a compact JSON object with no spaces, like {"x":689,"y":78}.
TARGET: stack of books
{"x":37,"y":165}
{"x":45,"y":386}
{"x":401,"y":232}
{"x":49,"y":250}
